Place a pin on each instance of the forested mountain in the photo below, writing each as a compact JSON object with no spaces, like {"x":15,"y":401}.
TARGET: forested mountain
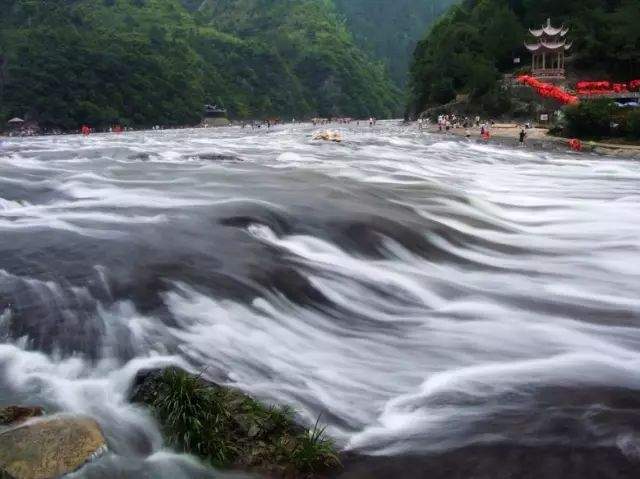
{"x":390,"y":29}
{"x":469,"y":48}
{"x":145,"y":62}
{"x":317,"y":48}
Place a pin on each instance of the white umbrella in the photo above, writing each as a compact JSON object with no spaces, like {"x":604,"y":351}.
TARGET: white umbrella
{"x":16,"y":120}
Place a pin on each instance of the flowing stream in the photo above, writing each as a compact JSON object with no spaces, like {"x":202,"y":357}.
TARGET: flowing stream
{"x":422,"y":293}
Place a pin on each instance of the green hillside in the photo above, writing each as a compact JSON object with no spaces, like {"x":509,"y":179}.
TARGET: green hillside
{"x":145,"y":62}
{"x":390,"y":29}
{"x":469,"y":48}
{"x":318,"y":49}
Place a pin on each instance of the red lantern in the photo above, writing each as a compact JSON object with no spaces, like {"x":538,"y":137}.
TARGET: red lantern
{"x":548,"y":91}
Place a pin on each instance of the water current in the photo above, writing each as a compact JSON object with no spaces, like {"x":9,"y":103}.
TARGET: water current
{"x":423,"y":293}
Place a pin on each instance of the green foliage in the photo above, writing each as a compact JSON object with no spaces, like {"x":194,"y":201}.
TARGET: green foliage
{"x":464,"y":50}
{"x":231,"y":429}
{"x":389,"y":30}
{"x":590,"y":119}
{"x":149,"y":62}
{"x":195,"y":417}
{"x":333,"y":75}
{"x":602,"y":119}
{"x":475,"y":42}
{"x":632,"y":124}
{"x":314,"y":451}
{"x":605,"y":32}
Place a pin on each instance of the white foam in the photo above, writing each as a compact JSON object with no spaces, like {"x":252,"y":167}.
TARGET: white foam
{"x":530,"y":278}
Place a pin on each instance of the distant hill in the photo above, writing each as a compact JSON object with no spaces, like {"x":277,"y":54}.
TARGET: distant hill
{"x":471,"y":46}
{"x":390,"y":29}
{"x":335,"y":75}
{"x":146,"y":62}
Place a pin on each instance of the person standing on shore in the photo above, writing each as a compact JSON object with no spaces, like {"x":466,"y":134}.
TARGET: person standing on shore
{"x":522,"y":136}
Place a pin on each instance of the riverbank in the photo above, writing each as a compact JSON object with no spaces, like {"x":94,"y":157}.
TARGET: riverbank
{"x":506,"y":134}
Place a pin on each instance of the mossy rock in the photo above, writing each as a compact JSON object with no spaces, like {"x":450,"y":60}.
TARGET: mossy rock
{"x":50,"y":447}
{"x":230,"y":429}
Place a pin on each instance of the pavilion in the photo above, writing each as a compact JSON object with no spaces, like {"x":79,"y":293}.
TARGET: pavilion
{"x":548,"y":51}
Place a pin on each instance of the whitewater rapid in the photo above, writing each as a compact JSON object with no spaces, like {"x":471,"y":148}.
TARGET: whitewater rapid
{"x":419,"y":292}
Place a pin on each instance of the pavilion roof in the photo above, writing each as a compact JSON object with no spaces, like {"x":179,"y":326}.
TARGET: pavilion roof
{"x":548,"y":46}
{"x":549,"y":30}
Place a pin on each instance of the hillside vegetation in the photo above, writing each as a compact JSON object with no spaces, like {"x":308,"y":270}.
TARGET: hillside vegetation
{"x":146,"y":62}
{"x":335,"y":76}
{"x":390,"y":29}
{"x":469,"y":48}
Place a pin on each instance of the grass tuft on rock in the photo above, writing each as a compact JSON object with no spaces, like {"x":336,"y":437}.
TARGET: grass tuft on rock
{"x":314,"y":451}
{"x":232,"y":430}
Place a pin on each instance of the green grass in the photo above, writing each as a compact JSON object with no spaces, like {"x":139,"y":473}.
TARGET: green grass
{"x":194,"y":416}
{"x":314,"y":451}
{"x":230,"y":429}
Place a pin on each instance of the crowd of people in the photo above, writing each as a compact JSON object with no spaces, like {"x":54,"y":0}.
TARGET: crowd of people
{"x":446,"y":123}
{"x":450,"y":123}
{"x":32,"y":129}
{"x":341,"y":121}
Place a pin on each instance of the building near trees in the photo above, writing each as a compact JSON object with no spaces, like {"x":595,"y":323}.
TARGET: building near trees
{"x":215,"y":116}
{"x":548,"y":51}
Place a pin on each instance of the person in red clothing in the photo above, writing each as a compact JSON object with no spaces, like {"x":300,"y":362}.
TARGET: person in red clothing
{"x":575,"y":144}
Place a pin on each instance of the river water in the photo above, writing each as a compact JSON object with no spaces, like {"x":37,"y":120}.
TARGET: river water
{"x":424,"y":294}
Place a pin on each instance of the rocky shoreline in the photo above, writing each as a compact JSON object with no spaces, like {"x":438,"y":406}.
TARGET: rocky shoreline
{"x":539,"y":139}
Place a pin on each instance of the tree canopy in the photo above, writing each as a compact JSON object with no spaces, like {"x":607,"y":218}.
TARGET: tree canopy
{"x":146,"y":62}
{"x":474,"y":43}
{"x":389,"y":30}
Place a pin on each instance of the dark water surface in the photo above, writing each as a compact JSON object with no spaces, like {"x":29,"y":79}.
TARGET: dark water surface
{"x":458,"y":310}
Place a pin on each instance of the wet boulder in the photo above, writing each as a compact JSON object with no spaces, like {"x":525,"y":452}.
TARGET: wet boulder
{"x":50,"y":447}
{"x":328,"y":135}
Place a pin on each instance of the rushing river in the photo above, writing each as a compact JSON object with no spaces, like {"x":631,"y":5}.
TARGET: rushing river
{"x":424,"y":294}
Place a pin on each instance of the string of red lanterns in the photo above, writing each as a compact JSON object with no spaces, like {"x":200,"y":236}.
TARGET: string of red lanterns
{"x":548,"y":90}
{"x":582,"y":88}
{"x":604,"y":87}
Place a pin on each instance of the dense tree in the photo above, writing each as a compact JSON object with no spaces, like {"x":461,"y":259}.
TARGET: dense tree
{"x":145,"y":62}
{"x":335,"y":76}
{"x":469,"y":48}
{"x":390,"y":29}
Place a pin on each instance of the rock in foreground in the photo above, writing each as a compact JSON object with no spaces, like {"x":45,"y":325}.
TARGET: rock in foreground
{"x":232,"y":430}
{"x":49,"y":448}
